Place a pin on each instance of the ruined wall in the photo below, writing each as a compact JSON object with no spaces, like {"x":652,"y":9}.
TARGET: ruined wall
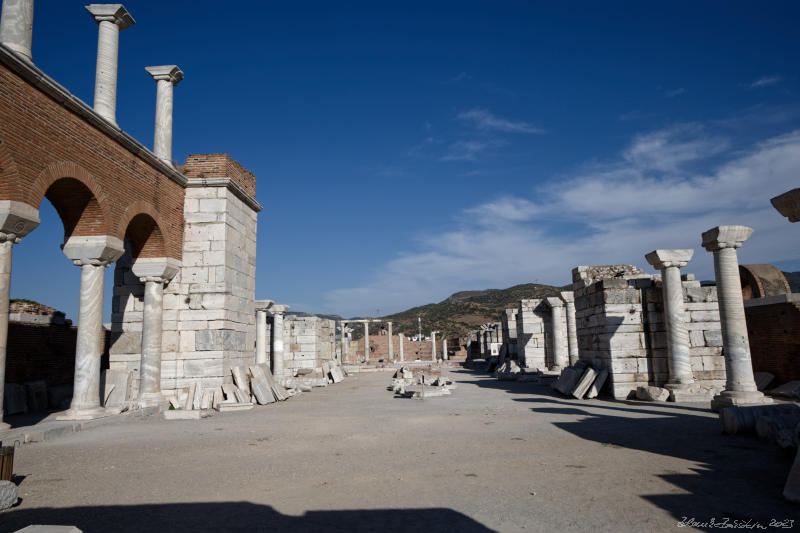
{"x":620,"y":326}
{"x":508,"y":325}
{"x":773,"y":326}
{"x":533,"y":342}
{"x":309,"y":341}
{"x":209,"y":306}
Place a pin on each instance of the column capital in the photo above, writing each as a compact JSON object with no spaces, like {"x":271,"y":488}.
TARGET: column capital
{"x":788,"y":204}
{"x":17,"y":219}
{"x":567,"y":296}
{"x":115,"y":13}
{"x":170,"y":73}
{"x":554,"y":301}
{"x":279,"y":309}
{"x":158,"y":269}
{"x":97,"y":250}
{"x":662,"y":259}
{"x":725,"y":237}
{"x":263,"y":305}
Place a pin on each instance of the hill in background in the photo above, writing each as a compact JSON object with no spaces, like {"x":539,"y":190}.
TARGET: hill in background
{"x":466,"y":310}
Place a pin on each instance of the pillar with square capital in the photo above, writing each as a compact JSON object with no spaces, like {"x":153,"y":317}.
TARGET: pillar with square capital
{"x":111,"y":19}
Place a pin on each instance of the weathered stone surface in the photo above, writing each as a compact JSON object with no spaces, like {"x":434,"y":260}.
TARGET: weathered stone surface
{"x":585,"y":381}
{"x":652,"y":394}
{"x":126,"y":342}
{"x":567,"y":381}
{"x":115,"y":385}
{"x":8,"y":494}
{"x":336,"y":374}
{"x":597,"y":386}
{"x":240,"y":406}
{"x":787,"y":390}
{"x":220,"y":339}
{"x":741,"y":420}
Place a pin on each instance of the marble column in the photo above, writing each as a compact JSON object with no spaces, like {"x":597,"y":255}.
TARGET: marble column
{"x":16,"y":26}
{"x":277,"y":340}
{"x":444,"y":348}
{"x":400,"y":338}
{"x":17,"y":219}
{"x":740,"y":387}
{"x":166,"y":76}
{"x":154,"y":273}
{"x":391,"y":342}
{"x":559,"y":321}
{"x":366,"y":342}
{"x":679,"y":362}
{"x":111,"y":19}
{"x":433,"y":345}
{"x":93,"y":255}
{"x":348,"y":338}
{"x":343,"y":341}
{"x":261,"y":331}
{"x":572,"y":329}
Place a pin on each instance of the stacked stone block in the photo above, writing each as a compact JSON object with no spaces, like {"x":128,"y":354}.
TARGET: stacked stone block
{"x":310,"y":341}
{"x":533,"y":343}
{"x":620,"y":326}
{"x":508,"y":321}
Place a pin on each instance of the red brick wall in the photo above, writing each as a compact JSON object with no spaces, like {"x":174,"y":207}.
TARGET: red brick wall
{"x":379,"y":348}
{"x":41,"y":142}
{"x":219,"y":166}
{"x":774,"y":332}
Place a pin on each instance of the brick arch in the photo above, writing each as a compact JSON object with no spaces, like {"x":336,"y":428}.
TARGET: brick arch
{"x":76,"y":195}
{"x":142,"y":227}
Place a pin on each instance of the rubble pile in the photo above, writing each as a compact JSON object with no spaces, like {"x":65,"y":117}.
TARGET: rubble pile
{"x":420,"y":383}
{"x":251,"y":385}
{"x":581,"y":380}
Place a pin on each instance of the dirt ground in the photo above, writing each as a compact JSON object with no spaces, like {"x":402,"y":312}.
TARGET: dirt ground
{"x":494,"y":456}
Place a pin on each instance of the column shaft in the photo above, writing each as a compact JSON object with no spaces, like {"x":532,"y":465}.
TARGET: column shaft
{"x":5,"y":292}
{"x":89,"y":345}
{"x":366,"y":342}
{"x":162,"y":138}
{"x":343,"y":342}
{"x":572,"y":334}
{"x":560,"y":351}
{"x":261,"y":336}
{"x":150,"y":373}
{"x":105,"y":81}
{"x":444,"y":349}
{"x":735,"y":342}
{"x":433,"y":345}
{"x":400,"y":335}
{"x":277,"y":345}
{"x":391,"y":343}
{"x":16,"y":26}
{"x":679,"y":358}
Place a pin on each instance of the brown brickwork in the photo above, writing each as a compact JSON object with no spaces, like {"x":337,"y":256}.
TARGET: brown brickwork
{"x":774,"y":332}
{"x":97,"y":185}
{"x":219,"y":166}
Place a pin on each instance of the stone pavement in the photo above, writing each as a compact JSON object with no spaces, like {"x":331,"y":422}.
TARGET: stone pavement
{"x":493,"y":456}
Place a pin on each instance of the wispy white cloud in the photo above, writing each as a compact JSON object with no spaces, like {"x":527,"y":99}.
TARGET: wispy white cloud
{"x":765,"y":81}
{"x":485,"y":120}
{"x":651,"y":196}
{"x":461,"y":76}
{"x":469,"y":150}
{"x":675,"y":92}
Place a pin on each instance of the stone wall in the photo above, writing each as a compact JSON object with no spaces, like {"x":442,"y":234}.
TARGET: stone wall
{"x":773,"y":326}
{"x":534,"y":344}
{"x":309,"y":341}
{"x":209,"y":306}
{"x":508,"y":321}
{"x":620,"y":326}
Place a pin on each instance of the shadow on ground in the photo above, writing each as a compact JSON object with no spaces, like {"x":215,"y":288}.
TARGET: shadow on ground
{"x":734,"y":477}
{"x":238,"y":516}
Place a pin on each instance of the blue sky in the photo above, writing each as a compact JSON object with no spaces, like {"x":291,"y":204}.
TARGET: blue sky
{"x":405,"y":151}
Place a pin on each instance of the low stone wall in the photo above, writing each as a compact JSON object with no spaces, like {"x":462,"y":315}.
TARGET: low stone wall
{"x":309,"y":341}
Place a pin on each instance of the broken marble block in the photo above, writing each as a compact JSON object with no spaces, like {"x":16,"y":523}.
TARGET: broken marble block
{"x":787,"y":390}
{"x":567,"y":380}
{"x":597,"y":386}
{"x":768,"y":426}
{"x":336,"y":374}
{"x":116,"y":384}
{"x":585,"y":381}
{"x":652,"y":394}
{"x":741,"y":420}
{"x":8,"y":494}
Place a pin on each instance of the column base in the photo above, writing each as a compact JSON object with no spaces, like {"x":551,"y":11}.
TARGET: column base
{"x":556,"y":368}
{"x":86,"y":413}
{"x":150,"y":399}
{"x":738,"y":398}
